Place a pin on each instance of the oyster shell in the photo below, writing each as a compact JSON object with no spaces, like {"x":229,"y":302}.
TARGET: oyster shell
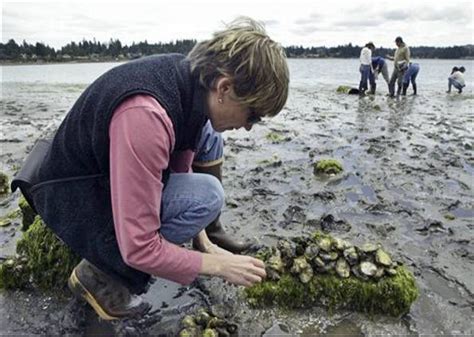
{"x":379,"y":273}
{"x":368,"y":268}
{"x":287,"y":248}
{"x":311,"y":251}
{"x":331,"y":256}
{"x":351,"y":255}
{"x":369,"y":247}
{"x":325,"y":244}
{"x":383,"y":258}
{"x":303,"y":269}
{"x":210,"y":333}
{"x":188,"y":322}
{"x":343,"y":268}
{"x":318,"y":262}
{"x":340,"y":244}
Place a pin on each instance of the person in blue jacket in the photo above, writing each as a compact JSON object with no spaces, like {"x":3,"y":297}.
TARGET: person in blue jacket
{"x":410,"y":76}
{"x":379,"y":66}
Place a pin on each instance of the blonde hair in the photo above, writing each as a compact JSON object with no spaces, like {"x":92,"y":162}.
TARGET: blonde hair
{"x":255,"y":63}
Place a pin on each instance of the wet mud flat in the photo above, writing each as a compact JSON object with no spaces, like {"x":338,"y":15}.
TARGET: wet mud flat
{"x":407,"y":183}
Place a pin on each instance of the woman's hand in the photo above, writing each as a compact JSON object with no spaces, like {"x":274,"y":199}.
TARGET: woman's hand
{"x":236,"y":269}
{"x":215,"y":249}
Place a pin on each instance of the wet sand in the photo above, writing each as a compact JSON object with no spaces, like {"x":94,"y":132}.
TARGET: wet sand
{"x":407,"y":183}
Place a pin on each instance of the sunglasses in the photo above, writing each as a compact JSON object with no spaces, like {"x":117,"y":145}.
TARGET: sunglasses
{"x":253,"y":118}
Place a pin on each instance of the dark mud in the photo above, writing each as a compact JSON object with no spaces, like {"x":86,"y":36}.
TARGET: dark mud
{"x":407,"y":183}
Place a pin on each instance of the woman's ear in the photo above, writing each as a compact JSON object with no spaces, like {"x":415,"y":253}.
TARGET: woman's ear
{"x":224,"y":85}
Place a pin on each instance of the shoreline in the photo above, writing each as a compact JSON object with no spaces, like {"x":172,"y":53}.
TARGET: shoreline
{"x":29,"y":63}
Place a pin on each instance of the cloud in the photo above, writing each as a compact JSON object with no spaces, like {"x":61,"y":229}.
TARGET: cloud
{"x":357,"y":23}
{"x":452,"y":14}
{"x":310,"y":19}
{"x":397,"y":14}
{"x":271,"y":23}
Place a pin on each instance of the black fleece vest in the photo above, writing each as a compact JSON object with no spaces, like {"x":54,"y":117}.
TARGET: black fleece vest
{"x":72,"y":192}
{"x":81,"y":144}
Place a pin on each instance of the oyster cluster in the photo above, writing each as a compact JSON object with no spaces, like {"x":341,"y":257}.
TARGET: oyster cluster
{"x":204,"y":324}
{"x":321,"y":254}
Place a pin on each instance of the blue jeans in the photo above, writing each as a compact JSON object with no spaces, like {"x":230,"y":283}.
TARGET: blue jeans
{"x":365,"y":73}
{"x":191,"y":201}
{"x":411,"y":73}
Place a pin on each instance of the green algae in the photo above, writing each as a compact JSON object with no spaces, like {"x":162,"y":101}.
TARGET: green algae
{"x":343,"y":89}
{"x":7,"y":220}
{"x":391,"y":294}
{"x":42,"y":260}
{"x":4,"y":186}
{"x":327,"y":166}
{"x":276,"y":137}
{"x":449,"y":216}
{"x":27,"y":212}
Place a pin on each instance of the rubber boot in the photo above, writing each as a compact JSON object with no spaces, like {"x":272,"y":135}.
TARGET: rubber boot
{"x":110,"y":299}
{"x":414,"y":88}
{"x":405,"y":88}
{"x":215,"y":231}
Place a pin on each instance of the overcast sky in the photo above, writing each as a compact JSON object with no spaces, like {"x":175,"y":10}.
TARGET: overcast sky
{"x":290,"y":22}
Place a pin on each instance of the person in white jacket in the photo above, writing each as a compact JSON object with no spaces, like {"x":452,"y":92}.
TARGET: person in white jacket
{"x":456,"y":79}
{"x":365,"y":66}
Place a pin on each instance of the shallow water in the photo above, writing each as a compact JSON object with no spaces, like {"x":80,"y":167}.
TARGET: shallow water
{"x":408,"y":163}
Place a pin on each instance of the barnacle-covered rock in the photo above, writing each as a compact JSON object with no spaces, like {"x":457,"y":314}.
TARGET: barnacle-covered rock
{"x":327,"y":166}
{"x":359,"y":278}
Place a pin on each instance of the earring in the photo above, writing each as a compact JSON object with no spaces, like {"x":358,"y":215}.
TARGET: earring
{"x":220,"y":100}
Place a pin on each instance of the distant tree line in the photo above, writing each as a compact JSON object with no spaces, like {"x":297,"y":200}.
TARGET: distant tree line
{"x":350,"y":51}
{"x":115,"y":50}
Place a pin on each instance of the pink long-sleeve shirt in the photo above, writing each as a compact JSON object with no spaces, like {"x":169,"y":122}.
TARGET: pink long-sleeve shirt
{"x":141,"y":146}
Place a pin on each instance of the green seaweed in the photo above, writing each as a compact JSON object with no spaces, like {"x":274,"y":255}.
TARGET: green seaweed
{"x":27,"y":212}
{"x":327,"y":166}
{"x":4,"y":186}
{"x":449,"y":216}
{"x":343,"y":89}
{"x":390,"y":295}
{"x":42,"y":260}
{"x":275,"y":137}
